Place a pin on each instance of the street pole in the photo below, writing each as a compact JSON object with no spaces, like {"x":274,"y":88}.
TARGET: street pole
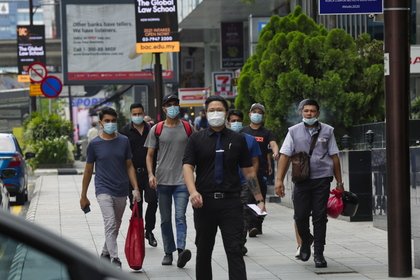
{"x":158,"y":86}
{"x":397,"y":86}
{"x":31,"y":22}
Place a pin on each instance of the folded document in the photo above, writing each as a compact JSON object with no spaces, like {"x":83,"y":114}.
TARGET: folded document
{"x":257,"y":209}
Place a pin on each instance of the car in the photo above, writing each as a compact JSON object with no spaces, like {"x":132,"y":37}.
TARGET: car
{"x":4,"y":193}
{"x":32,"y":252}
{"x":11,"y":157}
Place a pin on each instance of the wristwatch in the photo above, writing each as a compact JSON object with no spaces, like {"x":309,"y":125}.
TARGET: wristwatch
{"x":259,"y":201}
{"x":340,"y":184}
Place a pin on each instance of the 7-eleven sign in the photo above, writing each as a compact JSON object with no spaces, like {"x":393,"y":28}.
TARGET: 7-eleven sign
{"x":222,"y":83}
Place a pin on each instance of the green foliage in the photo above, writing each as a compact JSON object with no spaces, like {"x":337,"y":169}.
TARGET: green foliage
{"x":48,"y":137}
{"x":415,"y":108}
{"x":297,"y":59}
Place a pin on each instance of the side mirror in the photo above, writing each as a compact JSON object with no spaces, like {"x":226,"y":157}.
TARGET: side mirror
{"x":29,"y":155}
{"x":7,"y":173}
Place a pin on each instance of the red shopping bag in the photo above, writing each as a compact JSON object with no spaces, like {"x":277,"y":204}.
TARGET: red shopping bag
{"x":335,"y":204}
{"x":134,"y":244}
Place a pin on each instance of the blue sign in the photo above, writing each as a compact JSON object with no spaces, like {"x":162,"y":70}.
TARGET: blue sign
{"x":51,"y":86}
{"x":336,"y":7}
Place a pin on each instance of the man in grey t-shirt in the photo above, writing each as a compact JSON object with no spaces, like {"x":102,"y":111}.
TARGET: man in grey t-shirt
{"x":169,"y":180}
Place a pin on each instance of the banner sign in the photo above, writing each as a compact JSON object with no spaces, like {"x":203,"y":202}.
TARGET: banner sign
{"x":222,"y":83}
{"x":337,"y":7}
{"x":192,"y":96}
{"x":232,"y":45}
{"x":99,"y":45}
{"x":157,"y":26}
{"x":31,"y":46}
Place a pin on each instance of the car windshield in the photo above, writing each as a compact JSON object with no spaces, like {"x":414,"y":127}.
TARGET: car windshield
{"x":6,"y":145}
{"x":19,"y":261}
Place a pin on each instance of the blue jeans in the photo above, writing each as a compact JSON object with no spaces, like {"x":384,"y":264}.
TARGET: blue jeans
{"x":181,"y":195}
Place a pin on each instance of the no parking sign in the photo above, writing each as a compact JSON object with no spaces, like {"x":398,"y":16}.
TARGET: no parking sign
{"x":50,"y":86}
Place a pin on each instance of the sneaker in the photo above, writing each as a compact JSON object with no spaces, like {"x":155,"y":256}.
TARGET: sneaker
{"x":183,"y":258}
{"x":253,"y":232}
{"x":106,"y":257}
{"x":297,"y":255}
{"x":167,"y":259}
{"x":116,"y":262}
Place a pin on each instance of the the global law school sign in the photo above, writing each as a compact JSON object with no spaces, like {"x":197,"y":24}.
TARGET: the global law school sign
{"x":157,"y":26}
{"x":337,"y":7}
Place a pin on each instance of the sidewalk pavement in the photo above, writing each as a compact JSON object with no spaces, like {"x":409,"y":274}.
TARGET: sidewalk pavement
{"x":354,"y":250}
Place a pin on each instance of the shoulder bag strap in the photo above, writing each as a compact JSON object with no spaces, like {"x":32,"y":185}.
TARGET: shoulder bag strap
{"x":314,"y":138}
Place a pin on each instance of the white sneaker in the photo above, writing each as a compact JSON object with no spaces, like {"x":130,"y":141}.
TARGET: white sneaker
{"x":297,"y":255}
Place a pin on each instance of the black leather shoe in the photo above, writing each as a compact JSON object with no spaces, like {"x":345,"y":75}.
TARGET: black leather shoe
{"x":305,"y":249}
{"x":319,"y":260}
{"x":152,"y":240}
{"x":183,"y":258}
{"x":167,"y":259}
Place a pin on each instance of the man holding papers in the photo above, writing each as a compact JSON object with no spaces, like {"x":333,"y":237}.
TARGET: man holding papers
{"x":215,"y":153}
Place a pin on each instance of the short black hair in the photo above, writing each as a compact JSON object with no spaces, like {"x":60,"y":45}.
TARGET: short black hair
{"x":107,"y":111}
{"x":136,"y":105}
{"x":311,"y":102}
{"x":234,"y":112}
{"x":216,"y":98}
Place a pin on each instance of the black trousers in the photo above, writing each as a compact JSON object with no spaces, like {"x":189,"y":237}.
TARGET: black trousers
{"x":150,"y":196}
{"x":312,"y":196}
{"x":256,"y":221}
{"x":225,"y":214}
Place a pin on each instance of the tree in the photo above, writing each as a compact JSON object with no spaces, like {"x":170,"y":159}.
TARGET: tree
{"x":297,"y":59}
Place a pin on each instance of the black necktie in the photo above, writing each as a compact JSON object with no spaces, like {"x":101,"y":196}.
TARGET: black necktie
{"x":218,"y":162}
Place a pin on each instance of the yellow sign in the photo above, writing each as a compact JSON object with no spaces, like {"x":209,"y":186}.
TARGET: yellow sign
{"x":24,"y":79}
{"x":158,"y":47}
{"x":35,"y":90}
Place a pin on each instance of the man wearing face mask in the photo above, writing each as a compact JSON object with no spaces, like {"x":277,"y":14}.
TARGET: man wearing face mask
{"x":215,"y":154}
{"x":114,"y":170}
{"x":235,"y":121}
{"x":311,"y":195}
{"x":265,"y":138}
{"x":169,"y":180}
{"x":137,"y":131}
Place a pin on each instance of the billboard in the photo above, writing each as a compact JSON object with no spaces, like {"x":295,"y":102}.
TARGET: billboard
{"x":31,"y":47}
{"x":99,"y":45}
{"x":338,"y":7}
{"x":157,"y":26}
{"x":232,"y":41}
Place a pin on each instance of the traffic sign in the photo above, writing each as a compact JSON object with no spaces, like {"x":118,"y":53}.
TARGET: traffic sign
{"x":37,"y":72}
{"x":51,"y":86}
{"x":35,"y":90}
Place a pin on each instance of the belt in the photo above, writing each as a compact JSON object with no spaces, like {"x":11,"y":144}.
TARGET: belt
{"x":220,"y":195}
{"x":141,"y":169}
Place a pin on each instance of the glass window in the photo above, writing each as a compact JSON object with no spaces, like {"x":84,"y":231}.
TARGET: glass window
{"x":6,"y":145}
{"x":19,"y":259}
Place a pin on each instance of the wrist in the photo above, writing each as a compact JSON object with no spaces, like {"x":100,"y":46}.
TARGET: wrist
{"x":259,"y":201}
{"x":135,"y":191}
{"x":340,"y":184}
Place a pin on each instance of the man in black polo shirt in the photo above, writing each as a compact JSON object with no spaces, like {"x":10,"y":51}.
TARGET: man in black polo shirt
{"x":137,"y":131}
{"x":215,"y":153}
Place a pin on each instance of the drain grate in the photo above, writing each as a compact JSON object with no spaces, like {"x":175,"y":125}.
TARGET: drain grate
{"x":335,"y":272}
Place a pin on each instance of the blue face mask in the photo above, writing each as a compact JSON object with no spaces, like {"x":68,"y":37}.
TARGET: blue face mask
{"x":172,"y":111}
{"x":310,"y":121}
{"x":110,"y":128}
{"x":137,"y":120}
{"x":256,"y":118}
{"x":236,"y":126}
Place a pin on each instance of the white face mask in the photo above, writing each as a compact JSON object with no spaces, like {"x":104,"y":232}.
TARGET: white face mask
{"x":216,"y":119}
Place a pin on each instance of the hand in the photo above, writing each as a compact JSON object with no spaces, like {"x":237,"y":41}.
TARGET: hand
{"x":136,"y":196}
{"x":261,"y":205}
{"x":152,"y":182}
{"x":279,"y":189}
{"x":276,"y":156}
{"x":270,"y":171}
{"x":340,"y":188}
{"x":196,"y":200}
{"x":84,"y":201}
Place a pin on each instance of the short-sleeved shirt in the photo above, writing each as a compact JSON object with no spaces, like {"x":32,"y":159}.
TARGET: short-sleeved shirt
{"x":263,"y":136}
{"x":172,"y":142}
{"x":253,"y":148}
{"x":201,"y":153}
{"x":137,"y":141}
{"x":109,"y":157}
{"x":299,"y":138}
